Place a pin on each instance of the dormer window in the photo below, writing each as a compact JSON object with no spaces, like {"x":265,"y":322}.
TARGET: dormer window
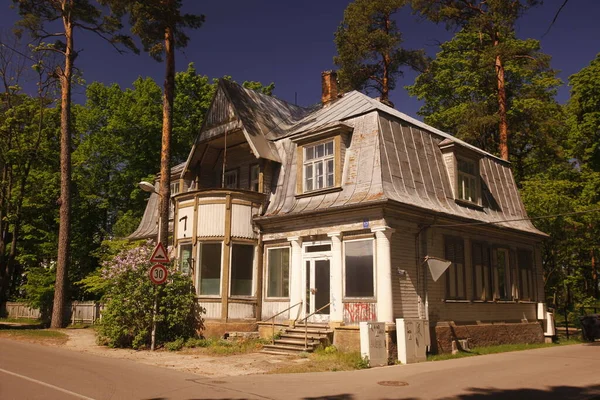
{"x":468,"y":180}
{"x":319,"y":166}
{"x":319,"y":159}
{"x":462,"y":164}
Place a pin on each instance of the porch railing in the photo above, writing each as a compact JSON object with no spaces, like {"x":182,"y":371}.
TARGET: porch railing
{"x":278,"y":314}
{"x":305,"y":319}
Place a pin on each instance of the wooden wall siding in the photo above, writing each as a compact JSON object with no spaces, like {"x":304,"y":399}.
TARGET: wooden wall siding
{"x":414,"y":172}
{"x":357,"y":312}
{"x":211,"y":218}
{"x":468,"y":311}
{"x":404,"y":288}
{"x":220,"y":112}
{"x":241,"y":310}
{"x":270,"y":308}
{"x":185,"y":221}
{"x":361,"y":179}
{"x":212,"y":310}
{"x":241,"y":221}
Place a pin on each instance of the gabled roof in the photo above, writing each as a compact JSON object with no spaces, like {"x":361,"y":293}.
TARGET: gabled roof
{"x":260,"y":117}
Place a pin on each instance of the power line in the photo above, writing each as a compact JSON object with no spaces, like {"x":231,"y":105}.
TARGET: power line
{"x":516,"y":219}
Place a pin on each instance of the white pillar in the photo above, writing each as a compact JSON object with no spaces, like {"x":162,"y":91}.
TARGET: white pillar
{"x":296,"y":281}
{"x":335,"y":279}
{"x":385,"y":307}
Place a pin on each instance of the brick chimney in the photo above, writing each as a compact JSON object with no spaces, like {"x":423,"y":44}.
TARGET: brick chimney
{"x":329,"y":89}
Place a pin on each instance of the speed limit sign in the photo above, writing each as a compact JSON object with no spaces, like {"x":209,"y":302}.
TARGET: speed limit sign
{"x":158,"y":274}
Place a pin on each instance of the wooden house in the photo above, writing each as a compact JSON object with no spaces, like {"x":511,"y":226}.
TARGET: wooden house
{"x":336,"y":213}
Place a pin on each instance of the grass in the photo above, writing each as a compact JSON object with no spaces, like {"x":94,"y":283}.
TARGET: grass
{"x":218,"y":347}
{"x":43,"y":336}
{"x":323,"y":360}
{"x":502,"y":348}
{"x":27,"y":321}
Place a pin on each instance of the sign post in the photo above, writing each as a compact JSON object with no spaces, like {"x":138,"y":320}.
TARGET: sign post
{"x":158,"y":275}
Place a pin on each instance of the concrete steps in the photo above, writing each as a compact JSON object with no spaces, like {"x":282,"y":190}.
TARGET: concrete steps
{"x":293,"y":340}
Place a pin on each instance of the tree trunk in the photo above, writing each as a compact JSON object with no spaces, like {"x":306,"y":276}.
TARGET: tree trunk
{"x":503,"y":126}
{"x":165,"y":153}
{"x":64,"y":231}
{"x":385,"y":87}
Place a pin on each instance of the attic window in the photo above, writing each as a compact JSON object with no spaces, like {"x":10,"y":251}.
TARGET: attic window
{"x":319,"y":166}
{"x":468,"y":180}
{"x":462,"y":164}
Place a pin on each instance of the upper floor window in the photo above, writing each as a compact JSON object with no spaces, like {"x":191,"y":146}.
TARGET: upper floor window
{"x":468,"y":181}
{"x":319,"y":166}
{"x":254,"y":176}
{"x":231,"y":179}
{"x":175,"y":188}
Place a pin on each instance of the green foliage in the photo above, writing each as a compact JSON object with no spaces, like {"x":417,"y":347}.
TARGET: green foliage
{"x":129,"y":300}
{"x":368,"y":44}
{"x":175,"y":345}
{"x":39,"y":290}
{"x":330,"y":349}
{"x":192,"y":343}
{"x":459,"y":91}
{"x":362,"y":363}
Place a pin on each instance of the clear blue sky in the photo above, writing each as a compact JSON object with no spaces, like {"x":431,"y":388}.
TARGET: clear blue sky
{"x":290,"y":43}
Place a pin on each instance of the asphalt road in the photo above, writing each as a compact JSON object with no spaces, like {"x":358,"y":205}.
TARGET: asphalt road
{"x":29,"y":371}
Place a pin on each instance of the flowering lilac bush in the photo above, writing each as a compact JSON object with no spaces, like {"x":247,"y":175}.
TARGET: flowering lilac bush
{"x":129,"y":301}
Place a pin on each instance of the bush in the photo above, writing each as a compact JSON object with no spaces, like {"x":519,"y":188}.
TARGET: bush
{"x":129,"y":303}
{"x":175,"y":345}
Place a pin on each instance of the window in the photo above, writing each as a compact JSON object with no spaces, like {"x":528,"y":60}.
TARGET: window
{"x":502,"y":274}
{"x":468,"y":181}
{"x":242,"y":269}
{"x":278,"y":272}
{"x":210,"y":269}
{"x":185,"y":258}
{"x":358,"y":261}
{"x":482,"y":272}
{"x":525,"y":262}
{"x":254,"y":174}
{"x":231,"y":179}
{"x":319,"y":166}
{"x":175,"y":188}
{"x":455,"y":274}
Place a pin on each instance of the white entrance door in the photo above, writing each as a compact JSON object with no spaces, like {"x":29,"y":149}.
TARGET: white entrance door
{"x":317,"y":289}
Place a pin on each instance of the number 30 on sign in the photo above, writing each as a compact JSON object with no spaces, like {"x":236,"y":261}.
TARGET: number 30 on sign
{"x":158,"y":274}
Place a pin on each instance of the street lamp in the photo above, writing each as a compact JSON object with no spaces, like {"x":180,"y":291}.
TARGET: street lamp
{"x":148,"y":187}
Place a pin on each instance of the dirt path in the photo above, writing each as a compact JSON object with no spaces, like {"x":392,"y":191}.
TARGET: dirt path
{"x":84,"y":340}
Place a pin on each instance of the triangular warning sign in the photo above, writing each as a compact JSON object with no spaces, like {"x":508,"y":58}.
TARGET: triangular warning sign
{"x":159,"y":255}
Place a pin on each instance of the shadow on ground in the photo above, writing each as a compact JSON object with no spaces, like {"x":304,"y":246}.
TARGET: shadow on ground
{"x":14,"y":326}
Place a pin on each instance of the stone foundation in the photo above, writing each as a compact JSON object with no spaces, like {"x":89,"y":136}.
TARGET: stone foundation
{"x":217,"y":328}
{"x":443,"y":334}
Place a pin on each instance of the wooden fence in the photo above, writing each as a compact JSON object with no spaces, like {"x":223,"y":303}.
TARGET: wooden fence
{"x":87,"y":312}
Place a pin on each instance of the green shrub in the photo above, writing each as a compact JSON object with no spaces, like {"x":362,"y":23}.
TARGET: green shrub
{"x":330,"y":349}
{"x":198,"y":342}
{"x":175,"y":345}
{"x":129,"y":303}
{"x":362,"y":363}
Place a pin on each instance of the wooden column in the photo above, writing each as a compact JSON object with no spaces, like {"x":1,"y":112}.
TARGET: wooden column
{"x":383,"y":268}
{"x":226,"y":258}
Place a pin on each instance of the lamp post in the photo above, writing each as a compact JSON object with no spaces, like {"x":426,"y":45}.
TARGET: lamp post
{"x":148,"y":187}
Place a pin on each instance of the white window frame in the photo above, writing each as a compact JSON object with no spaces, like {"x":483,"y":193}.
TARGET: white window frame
{"x":314,"y":161}
{"x":199,"y":270}
{"x":255,"y":181}
{"x":253,"y":284}
{"x":267,"y":280}
{"x":175,"y":188}
{"x":181,"y":260}
{"x":374,"y":264}
{"x":467,"y":182}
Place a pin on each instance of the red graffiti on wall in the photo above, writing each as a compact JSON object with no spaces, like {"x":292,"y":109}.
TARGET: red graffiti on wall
{"x":359,"y":312}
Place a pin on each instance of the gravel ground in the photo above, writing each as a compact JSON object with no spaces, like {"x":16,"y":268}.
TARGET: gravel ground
{"x":84,"y":340}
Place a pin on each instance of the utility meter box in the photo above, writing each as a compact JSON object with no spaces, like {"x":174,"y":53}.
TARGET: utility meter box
{"x":372,"y":343}
{"x":413,"y":339}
